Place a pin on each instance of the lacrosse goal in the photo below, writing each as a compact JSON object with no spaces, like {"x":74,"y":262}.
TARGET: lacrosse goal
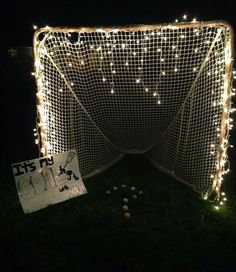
{"x":159,"y":90}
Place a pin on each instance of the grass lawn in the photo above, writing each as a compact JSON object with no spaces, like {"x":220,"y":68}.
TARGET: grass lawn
{"x":170,"y":229}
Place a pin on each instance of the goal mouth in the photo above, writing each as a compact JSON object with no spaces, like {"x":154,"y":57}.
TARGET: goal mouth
{"x":159,"y":90}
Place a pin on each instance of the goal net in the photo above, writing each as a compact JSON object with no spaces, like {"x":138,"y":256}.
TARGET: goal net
{"x":160,"y":90}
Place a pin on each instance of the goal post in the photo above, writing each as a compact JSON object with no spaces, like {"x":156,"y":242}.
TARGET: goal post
{"x":159,"y":90}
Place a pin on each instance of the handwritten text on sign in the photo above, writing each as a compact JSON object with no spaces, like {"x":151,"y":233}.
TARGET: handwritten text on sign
{"x":48,"y":180}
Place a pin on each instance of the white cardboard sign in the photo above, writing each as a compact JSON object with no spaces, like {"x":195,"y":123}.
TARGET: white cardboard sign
{"x":48,"y":180}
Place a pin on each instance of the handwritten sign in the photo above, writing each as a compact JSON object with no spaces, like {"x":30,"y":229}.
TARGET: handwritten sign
{"x":48,"y":180}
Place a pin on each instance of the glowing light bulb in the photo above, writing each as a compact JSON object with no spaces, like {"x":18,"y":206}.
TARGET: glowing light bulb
{"x":217,"y":207}
{"x":146,"y":89}
{"x":162,"y":60}
{"x":126,"y":63}
{"x":176,"y":70}
{"x":134,"y":53}
{"x":72,"y":84}
{"x":82,"y":62}
{"x":37,"y":63}
{"x":194,"y":20}
{"x":154,"y":94}
{"x":184,"y":16}
{"x":176,"y":20}
{"x":123,"y":45}
{"x":70,"y":65}
{"x":194,"y":69}
{"x":103,"y":79}
{"x":159,"y":102}
{"x":35,"y":27}
{"x":163,"y":73}
{"x":138,"y":80}
{"x":112,"y":91}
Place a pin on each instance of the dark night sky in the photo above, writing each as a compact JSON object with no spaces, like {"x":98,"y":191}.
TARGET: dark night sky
{"x":17,"y":17}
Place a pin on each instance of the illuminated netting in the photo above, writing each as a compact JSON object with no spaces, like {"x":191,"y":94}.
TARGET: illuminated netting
{"x":161,"y":90}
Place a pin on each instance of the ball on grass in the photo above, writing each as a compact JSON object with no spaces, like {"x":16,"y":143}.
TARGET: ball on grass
{"x":127,"y":215}
{"x":125,"y":200}
{"x":125,"y":208}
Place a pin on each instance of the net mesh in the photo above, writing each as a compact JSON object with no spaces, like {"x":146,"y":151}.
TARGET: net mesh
{"x":163,"y":91}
